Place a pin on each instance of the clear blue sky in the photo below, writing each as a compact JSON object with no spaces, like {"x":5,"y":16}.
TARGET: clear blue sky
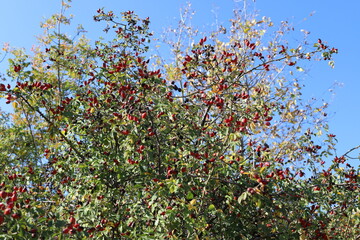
{"x":337,"y":22}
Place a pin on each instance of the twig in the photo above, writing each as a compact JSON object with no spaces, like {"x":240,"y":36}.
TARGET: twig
{"x":52,"y":124}
{"x":354,"y":148}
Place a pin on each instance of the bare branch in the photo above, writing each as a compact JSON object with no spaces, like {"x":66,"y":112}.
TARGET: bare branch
{"x":351,"y":150}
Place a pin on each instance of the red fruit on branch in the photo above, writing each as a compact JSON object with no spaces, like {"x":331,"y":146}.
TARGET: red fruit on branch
{"x":251,"y":190}
{"x":14,"y":198}
{"x":125,"y":132}
{"x":7,"y":211}
{"x":3,"y":194}
{"x":16,"y":216}
{"x":72,"y":220}
{"x":2,"y":87}
{"x":17,"y":68}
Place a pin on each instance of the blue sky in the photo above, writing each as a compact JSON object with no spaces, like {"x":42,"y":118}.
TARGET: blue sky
{"x":336,"y":22}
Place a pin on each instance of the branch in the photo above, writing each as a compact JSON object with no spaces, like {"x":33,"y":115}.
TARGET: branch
{"x":204,"y":117}
{"x":353,"y":149}
{"x":52,"y":124}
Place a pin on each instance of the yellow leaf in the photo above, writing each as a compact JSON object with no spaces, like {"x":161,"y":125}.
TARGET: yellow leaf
{"x":15,"y":104}
{"x":302,"y":236}
{"x":252,"y":126}
{"x":110,"y":224}
{"x":190,"y":207}
{"x":193,"y":202}
{"x":300,"y":69}
{"x":289,"y":115}
{"x":258,"y":203}
{"x":319,"y":133}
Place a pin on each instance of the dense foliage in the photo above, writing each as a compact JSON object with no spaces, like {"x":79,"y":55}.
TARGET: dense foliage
{"x":109,"y":142}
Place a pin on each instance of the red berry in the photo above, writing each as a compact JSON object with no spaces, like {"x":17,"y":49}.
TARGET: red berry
{"x":3,"y":194}
{"x":2,"y":87}
{"x":16,"y":216}
{"x":125,"y":132}
{"x":72,"y":220}
{"x":17,"y":68}
{"x":7,"y":211}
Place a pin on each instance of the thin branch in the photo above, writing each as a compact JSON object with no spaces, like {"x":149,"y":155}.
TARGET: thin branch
{"x":353,"y":149}
{"x":52,"y":124}
{"x":30,"y":129}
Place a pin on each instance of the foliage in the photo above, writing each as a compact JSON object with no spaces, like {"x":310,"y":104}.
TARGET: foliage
{"x":106,"y":142}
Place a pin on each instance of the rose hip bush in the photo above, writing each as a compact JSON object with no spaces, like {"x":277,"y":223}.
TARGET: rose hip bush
{"x":109,"y":142}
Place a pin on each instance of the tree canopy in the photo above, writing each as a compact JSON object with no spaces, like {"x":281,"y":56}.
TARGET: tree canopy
{"x":109,"y":141}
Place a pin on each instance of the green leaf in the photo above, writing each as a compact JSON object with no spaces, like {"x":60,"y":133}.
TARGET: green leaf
{"x":189,"y":196}
{"x":60,"y":223}
{"x":258,"y":203}
{"x":173,"y":188}
{"x":211,"y":207}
